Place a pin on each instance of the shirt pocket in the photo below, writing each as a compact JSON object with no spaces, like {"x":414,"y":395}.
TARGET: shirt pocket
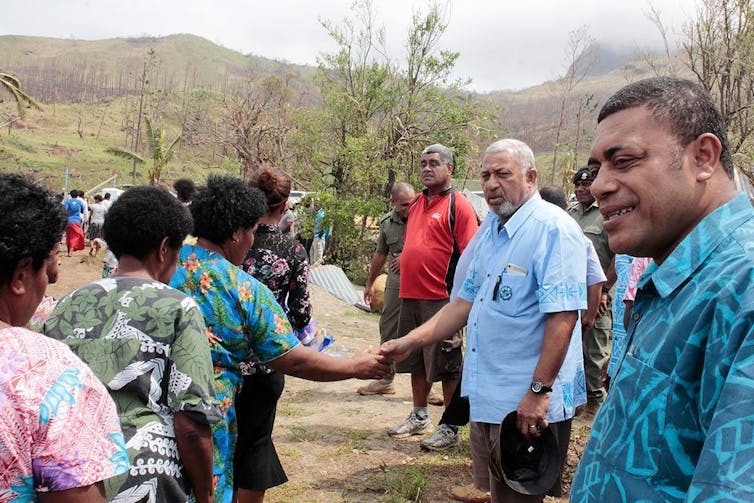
{"x":509,"y":297}
{"x":633,"y":441}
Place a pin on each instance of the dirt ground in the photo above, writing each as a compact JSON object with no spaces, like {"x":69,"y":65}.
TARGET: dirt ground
{"x":332,"y":441}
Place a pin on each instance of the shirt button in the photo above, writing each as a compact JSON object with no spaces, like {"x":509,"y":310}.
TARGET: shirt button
{"x":473,"y":350}
{"x":637,"y":316}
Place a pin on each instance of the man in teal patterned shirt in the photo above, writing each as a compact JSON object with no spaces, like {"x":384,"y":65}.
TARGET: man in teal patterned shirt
{"x":677,"y":423}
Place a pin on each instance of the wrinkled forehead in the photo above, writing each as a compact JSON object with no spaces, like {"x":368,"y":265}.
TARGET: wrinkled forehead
{"x":432,"y":156}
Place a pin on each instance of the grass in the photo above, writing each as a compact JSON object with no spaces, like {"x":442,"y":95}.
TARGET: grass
{"x":407,"y":485}
{"x":287,"y":409}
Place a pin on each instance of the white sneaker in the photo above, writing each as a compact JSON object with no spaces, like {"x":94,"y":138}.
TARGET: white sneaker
{"x":443,"y":438}
{"x":411,"y":426}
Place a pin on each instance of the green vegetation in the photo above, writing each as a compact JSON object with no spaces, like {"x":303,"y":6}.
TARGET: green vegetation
{"x":345,"y":130}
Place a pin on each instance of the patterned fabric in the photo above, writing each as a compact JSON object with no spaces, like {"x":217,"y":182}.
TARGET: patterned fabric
{"x":58,"y":426}
{"x":146,"y":342}
{"x":243,"y":321}
{"x":622,"y":272}
{"x":37,"y":321}
{"x":533,"y":265}
{"x":676,"y":425}
{"x":281,"y":264}
{"x":638,"y":266}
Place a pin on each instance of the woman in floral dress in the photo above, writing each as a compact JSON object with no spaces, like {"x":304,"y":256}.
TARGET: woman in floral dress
{"x":146,"y":342}
{"x":59,"y":432}
{"x":244,"y":321}
{"x":281,"y":264}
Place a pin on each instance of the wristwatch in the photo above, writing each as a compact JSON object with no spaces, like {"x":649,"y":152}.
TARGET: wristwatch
{"x":539,"y":388}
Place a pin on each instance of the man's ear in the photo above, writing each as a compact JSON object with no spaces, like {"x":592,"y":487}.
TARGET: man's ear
{"x":531,"y":176}
{"x":705,"y":151}
{"x":20,"y":276}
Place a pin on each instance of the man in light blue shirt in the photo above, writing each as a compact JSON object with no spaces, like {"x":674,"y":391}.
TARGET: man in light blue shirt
{"x":522,"y":294}
{"x":677,"y":424}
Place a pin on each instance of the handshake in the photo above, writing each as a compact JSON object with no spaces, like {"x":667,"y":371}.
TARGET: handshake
{"x":375,"y":363}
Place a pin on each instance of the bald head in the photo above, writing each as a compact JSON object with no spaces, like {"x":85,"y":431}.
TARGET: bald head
{"x":400,"y":198}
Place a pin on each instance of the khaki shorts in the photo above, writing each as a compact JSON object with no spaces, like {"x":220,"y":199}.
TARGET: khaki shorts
{"x":440,"y":361}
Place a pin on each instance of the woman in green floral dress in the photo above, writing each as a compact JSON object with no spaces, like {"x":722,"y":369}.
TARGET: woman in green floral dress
{"x":146,"y":342}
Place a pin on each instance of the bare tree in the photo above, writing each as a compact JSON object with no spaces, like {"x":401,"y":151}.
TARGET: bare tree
{"x":258,"y":121}
{"x":579,"y":59}
{"x":719,"y":45}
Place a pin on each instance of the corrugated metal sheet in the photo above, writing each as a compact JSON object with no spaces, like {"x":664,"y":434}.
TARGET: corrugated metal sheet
{"x":334,"y":280}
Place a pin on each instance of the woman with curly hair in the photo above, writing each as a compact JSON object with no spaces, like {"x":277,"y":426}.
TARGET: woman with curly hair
{"x":280,"y":264}
{"x":59,"y":432}
{"x":145,"y":341}
{"x":242,"y":316}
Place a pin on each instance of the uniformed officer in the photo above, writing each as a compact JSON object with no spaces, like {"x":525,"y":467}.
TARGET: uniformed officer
{"x":389,"y":244}
{"x":594,"y":338}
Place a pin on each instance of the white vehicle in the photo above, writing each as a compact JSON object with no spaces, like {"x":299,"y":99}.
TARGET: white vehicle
{"x":296,"y":196}
{"x":114,"y":193}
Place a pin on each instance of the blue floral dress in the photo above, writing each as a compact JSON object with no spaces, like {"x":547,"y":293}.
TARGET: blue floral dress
{"x":243,"y":321}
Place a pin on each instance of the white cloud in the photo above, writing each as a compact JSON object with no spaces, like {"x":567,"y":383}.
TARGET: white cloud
{"x":503,"y":44}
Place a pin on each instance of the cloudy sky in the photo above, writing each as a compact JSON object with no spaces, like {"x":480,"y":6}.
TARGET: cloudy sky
{"x":504,"y":44}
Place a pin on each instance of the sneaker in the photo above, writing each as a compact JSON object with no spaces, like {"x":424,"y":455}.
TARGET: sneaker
{"x":435,"y":398}
{"x":443,"y":438}
{"x":381,"y":387}
{"x":411,"y":426}
{"x":470,"y":494}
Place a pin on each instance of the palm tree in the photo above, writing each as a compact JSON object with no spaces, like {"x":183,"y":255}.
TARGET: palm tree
{"x":11,"y":84}
{"x":158,"y":151}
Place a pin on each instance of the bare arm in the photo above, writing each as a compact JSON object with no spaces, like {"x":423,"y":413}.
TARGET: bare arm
{"x":94,"y":493}
{"x":532,"y":409}
{"x":378,"y":263}
{"x":195,"y":448}
{"x":593,"y":298}
{"x":448,"y":320}
{"x":310,"y":364}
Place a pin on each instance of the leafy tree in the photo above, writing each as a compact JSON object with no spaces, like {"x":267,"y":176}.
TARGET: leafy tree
{"x":377,"y":116}
{"x":160,"y":151}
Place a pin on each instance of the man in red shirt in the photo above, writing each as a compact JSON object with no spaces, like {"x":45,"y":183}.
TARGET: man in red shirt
{"x":440,"y":224}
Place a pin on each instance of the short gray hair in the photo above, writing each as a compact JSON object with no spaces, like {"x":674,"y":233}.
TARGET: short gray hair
{"x":519,"y":150}
{"x":446,"y":155}
{"x":401,"y":188}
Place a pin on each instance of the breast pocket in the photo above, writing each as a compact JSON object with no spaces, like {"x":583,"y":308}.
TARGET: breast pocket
{"x":511,"y":296}
{"x":633,"y":440}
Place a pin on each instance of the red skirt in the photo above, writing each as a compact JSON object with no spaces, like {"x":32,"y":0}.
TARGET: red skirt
{"x":74,"y":237}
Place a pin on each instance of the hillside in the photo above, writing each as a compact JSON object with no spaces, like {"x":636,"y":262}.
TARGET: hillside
{"x":70,"y":71}
{"x":91,"y":89}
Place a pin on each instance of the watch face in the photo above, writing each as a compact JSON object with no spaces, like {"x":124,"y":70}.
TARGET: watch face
{"x":536,"y":387}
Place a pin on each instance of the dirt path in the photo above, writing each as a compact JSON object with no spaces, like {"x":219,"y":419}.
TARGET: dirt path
{"x":332,"y":441}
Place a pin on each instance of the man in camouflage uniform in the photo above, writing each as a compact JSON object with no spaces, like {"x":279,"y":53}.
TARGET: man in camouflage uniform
{"x":389,"y":244}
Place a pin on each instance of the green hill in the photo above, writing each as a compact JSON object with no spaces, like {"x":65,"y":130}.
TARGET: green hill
{"x":91,"y":89}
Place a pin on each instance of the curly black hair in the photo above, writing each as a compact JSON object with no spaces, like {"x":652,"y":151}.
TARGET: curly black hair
{"x":225,"y":205}
{"x":32,"y":223}
{"x":683,"y":105}
{"x":141,"y":218}
{"x":185,"y":189}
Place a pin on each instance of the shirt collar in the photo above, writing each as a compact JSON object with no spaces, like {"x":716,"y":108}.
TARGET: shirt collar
{"x":697,"y":246}
{"x":521,"y":215}
{"x":581,"y":209}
